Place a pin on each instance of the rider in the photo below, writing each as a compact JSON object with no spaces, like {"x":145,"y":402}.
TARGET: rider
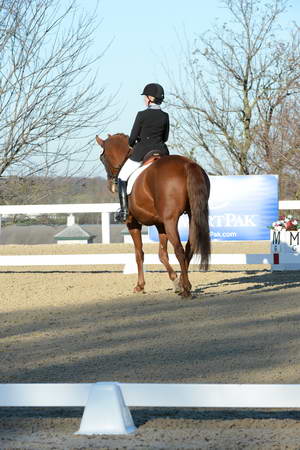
{"x":150,"y":131}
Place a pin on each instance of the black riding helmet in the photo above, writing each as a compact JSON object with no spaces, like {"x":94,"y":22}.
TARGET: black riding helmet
{"x":156,"y":91}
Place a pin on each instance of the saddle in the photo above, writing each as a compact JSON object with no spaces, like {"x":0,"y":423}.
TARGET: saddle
{"x":148,"y":159}
{"x":152,"y":156}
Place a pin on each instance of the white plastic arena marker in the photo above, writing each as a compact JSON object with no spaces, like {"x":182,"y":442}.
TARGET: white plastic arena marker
{"x":106,"y":412}
{"x":130,"y":267}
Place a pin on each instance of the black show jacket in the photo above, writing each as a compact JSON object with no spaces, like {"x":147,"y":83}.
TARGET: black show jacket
{"x":149,"y":132}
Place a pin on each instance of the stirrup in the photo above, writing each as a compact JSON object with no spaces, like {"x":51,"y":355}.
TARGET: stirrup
{"x":121,"y":215}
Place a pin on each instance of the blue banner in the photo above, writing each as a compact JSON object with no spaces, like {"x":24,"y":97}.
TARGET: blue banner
{"x":240,"y":208}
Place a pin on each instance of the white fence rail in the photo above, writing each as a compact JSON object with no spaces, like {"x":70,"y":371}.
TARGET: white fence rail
{"x":106,"y":404}
{"x":126,"y":259}
{"x":99,"y":208}
{"x":155,"y":395}
{"x":288,"y":204}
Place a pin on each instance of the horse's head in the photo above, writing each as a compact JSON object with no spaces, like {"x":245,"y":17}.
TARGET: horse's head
{"x":115,"y":151}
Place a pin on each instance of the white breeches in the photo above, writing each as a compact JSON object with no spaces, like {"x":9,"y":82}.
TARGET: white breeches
{"x":128,"y":168}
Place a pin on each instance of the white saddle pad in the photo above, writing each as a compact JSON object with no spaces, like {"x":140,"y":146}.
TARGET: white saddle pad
{"x":135,"y":175}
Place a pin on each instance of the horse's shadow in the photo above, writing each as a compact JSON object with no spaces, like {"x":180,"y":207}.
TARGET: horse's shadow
{"x":253,"y":282}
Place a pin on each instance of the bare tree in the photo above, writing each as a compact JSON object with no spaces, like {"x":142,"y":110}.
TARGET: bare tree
{"x":233,"y":83}
{"x":49,"y":104}
{"x":278,"y":146}
{"x":26,"y":190}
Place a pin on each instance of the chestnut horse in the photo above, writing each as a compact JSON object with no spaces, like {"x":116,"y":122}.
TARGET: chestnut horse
{"x":169,"y":187}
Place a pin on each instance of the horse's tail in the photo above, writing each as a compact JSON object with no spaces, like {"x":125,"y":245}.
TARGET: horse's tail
{"x":198,"y":187}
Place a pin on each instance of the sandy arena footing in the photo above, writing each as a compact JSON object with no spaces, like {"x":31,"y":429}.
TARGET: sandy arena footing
{"x":84,"y":324}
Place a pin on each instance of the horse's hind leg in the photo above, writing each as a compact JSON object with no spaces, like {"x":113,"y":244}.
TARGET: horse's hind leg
{"x":164,"y":257}
{"x":188,"y":250}
{"x":135,"y":232}
{"x":173,"y":236}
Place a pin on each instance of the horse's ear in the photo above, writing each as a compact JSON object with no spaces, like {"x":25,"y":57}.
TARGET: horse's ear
{"x":99,"y":141}
{"x":109,"y":135}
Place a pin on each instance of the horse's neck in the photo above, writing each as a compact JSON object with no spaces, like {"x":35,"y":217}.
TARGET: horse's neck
{"x":119,"y":148}
{"x":125,"y":153}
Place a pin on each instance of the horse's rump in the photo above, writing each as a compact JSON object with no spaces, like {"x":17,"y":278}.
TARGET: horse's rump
{"x":185,"y":187}
{"x":165,"y":179}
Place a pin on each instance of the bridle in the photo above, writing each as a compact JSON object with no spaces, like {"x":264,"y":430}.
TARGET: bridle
{"x":113,"y":172}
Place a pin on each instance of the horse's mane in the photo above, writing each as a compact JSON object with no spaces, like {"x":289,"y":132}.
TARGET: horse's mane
{"x":119,"y":140}
{"x":121,"y":135}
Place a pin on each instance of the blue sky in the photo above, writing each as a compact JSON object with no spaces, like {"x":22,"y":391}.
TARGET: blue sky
{"x":144,"y":35}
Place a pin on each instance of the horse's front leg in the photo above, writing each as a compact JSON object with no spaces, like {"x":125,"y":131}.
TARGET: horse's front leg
{"x":135,"y":232}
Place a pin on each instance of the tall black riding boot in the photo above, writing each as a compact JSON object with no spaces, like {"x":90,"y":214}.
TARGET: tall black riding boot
{"x":122,"y":214}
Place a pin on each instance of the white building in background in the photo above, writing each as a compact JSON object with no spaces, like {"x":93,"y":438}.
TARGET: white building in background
{"x":73,"y":234}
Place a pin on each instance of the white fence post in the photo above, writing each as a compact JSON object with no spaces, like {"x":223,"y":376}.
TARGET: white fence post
{"x":70,"y":220}
{"x":105,"y":226}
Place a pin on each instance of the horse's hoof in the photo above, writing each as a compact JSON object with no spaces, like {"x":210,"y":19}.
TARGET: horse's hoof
{"x":138,"y":289}
{"x":177,"y":287}
{"x":186,"y":294}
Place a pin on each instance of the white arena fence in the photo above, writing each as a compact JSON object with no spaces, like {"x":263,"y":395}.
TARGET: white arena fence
{"x":35,"y":210}
{"x":98,"y":208}
{"x":106,"y":405}
{"x":127,"y":260}
{"x":277,"y":261}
